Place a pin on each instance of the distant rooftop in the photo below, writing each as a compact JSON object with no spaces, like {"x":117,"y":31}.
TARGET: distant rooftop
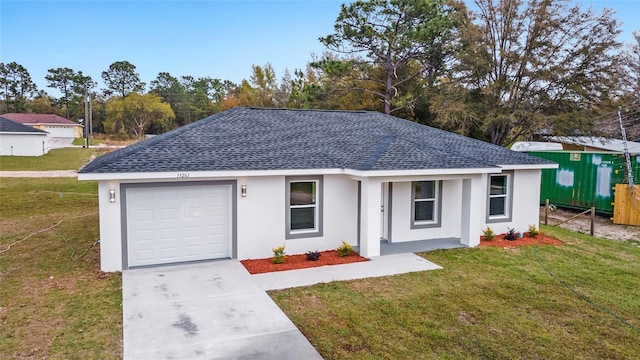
{"x":607,"y":144}
{"x":34,"y":119}
{"x":10,"y":126}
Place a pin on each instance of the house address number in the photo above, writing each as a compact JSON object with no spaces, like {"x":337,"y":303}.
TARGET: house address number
{"x":183,"y":175}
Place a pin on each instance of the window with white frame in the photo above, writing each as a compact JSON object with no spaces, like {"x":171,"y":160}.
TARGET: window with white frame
{"x":304,"y":212}
{"x":426,"y":202}
{"x":500,"y":193}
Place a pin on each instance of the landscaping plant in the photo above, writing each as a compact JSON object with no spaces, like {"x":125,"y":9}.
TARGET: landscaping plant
{"x":278,"y":254}
{"x":533,"y":230}
{"x":345,"y":249}
{"x":511,"y":234}
{"x":313,"y":255}
{"x":489,"y":234}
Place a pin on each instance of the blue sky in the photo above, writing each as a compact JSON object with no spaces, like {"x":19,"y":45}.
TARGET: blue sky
{"x":219,"y":39}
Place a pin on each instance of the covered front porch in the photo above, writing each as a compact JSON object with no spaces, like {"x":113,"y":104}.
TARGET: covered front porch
{"x":389,"y":220}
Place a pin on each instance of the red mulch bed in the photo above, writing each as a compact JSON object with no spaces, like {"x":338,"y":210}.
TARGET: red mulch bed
{"x":291,"y":262}
{"x":525,"y":240}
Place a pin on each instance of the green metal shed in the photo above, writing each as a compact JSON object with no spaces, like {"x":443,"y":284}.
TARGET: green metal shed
{"x":584,"y":179}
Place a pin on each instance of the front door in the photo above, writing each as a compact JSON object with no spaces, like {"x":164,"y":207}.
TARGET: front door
{"x":384,"y":206}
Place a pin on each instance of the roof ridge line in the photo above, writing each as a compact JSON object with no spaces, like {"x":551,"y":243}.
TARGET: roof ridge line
{"x":382,"y":146}
{"x":303,"y":110}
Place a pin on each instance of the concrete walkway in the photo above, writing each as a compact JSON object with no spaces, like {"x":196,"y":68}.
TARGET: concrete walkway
{"x":217,"y":310}
{"x":378,"y":266}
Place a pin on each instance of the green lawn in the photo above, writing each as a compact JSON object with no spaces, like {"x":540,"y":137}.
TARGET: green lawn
{"x":56,"y":159}
{"x":94,"y":141}
{"x":53,"y":306}
{"x":486,"y":303}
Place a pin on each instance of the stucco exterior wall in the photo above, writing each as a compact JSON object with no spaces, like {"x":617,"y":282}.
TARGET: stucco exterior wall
{"x":525,"y":205}
{"x":22,"y":144}
{"x":451,"y":203}
{"x":261,"y":217}
{"x":110,"y":225}
{"x":262,"y":224}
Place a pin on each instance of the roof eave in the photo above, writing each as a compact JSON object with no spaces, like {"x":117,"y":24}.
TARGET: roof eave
{"x":194,"y":175}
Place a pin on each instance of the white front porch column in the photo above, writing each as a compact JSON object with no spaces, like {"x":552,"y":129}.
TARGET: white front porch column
{"x":473,"y":209}
{"x":370,"y":217}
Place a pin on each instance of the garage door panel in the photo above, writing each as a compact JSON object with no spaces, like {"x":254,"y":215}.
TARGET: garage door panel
{"x":140,"y":215}
{"x":168,"y":234}
{"x":144,"y":255}
{"x":169,"y":254}
{"x":168,"y":214}
{"x":176,"y":224}
{"x":193,"y":251}
{"x":144,"y":235}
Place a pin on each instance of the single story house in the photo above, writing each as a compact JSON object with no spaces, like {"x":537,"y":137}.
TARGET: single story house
{"x":61,"y":131}
{"x":241,"y":182}
{"x":21,"y":140}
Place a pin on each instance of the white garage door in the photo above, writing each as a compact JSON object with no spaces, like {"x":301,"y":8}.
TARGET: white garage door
{"x":60,"y":131}
{"x":178,"y":224}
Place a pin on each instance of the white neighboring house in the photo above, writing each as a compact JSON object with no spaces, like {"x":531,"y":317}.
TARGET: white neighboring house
{"x":61,"y":131}
{"x":21,"y":140}
{"x":241,"y":182}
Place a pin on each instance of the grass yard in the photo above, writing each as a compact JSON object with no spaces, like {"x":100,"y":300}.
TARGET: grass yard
{"x":489,"y":303}
{"x":94,"y":141}
{"x":53,"y":305}
{"x":55,"y":159}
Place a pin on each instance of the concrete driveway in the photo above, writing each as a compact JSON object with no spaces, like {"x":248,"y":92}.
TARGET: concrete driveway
{"x":212,"y":310}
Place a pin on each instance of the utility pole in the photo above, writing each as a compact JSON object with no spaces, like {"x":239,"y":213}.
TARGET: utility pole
{"x":86,"y":122}
{"x":88,"y":99}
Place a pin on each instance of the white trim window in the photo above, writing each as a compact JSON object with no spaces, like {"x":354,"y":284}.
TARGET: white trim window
{"x":304,"y":207}
{"x":426,"y":204}
{"x":500,"y":197}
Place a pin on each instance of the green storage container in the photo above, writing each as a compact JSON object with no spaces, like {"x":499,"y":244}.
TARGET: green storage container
{"x":584,"y":179}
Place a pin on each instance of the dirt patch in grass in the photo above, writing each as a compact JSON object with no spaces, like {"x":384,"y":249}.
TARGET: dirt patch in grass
{"x":604,"y":227}
{"x":500,"y":241}
{"x":292,"y":262}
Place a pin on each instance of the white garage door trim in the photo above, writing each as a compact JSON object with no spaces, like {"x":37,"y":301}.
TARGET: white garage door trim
{"x":181,"y":255}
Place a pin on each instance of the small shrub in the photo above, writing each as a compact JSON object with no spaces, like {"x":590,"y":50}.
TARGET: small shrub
{"x":345,"y":249}
{"x":489,"y":234}
{"x":278,"y":254}
{"x":533,"y":230}
{"x":313,"y":255}
{"x":511,"y":234}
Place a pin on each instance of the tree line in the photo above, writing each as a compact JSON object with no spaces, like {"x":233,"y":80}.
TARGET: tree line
{"x":500,"y":71}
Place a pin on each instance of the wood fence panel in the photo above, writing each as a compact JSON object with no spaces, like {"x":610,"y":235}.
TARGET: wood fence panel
{"x":626,"y":209}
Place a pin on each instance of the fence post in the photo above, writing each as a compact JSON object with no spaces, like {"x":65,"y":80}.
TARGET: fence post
{"x":546,"y":211}
{"x":593,"y":220}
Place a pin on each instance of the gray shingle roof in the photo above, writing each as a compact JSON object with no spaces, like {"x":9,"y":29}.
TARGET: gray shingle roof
{"x":7,"y":125}
{"x":274,"y":139}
